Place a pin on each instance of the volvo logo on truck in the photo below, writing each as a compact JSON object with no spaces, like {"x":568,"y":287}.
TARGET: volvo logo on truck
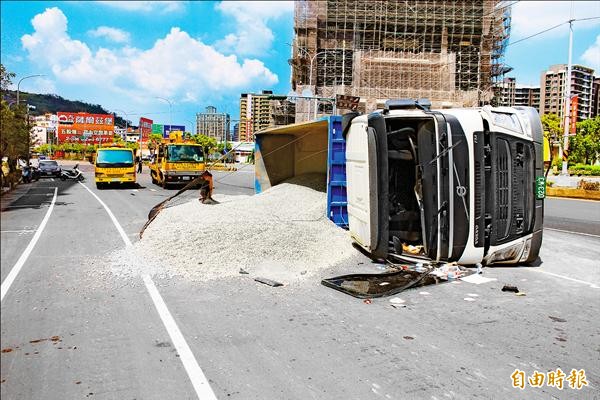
{"x":465,"y":185}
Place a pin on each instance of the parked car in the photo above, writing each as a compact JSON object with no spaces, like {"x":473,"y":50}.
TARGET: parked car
{"x":49,"y":168}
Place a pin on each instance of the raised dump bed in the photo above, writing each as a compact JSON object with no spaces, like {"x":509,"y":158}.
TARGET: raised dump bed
{"x":315,"y":147}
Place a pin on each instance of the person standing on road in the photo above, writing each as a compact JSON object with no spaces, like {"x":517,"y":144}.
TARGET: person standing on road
{"x":139,"y":165}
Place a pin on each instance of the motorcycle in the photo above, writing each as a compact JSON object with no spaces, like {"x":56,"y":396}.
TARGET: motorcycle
{"x":74,"y":174}
{"x":29,"y":173}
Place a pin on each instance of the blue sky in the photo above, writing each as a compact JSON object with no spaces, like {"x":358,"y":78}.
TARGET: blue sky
{"x":123,"y":55}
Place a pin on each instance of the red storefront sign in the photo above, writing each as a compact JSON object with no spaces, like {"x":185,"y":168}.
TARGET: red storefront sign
{"x":145,"y":128}
{"x":85,"y":128}
{"x":573,"y":115}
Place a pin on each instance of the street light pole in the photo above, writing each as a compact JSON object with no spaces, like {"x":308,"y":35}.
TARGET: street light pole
{"x":21,"y":80}
{"x":170,"y":110}
{"x":126,"y":117}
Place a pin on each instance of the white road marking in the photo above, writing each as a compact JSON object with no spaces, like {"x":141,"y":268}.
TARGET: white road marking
{"x":10,"y":278}
{"x":21,"y":231}
{"x":51,"y":179}
{"x":201,"y":385}
{"x":153,"y":190}
{"x":575,"y":233}
{"x":197,"y":377}
{"x":111,"y":215}
{"x":590,"y":284}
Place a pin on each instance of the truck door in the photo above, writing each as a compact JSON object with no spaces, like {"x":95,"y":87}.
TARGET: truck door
{"x":367,"y":184}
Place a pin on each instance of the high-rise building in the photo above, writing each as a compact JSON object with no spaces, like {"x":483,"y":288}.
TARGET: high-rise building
{"x":509,"y":93}
{"x":235,"y":135}
{"x":447,"y":51}
{"x":504,"y":92}
{"x":553,"y":90}
{"x":262,"y":110}
{"x":213,"y":124}
{"x":526,"y":95}
{"x":595,"y":98}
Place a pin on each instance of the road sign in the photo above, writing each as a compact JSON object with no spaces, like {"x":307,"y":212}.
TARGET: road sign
{"x":348,"y":102}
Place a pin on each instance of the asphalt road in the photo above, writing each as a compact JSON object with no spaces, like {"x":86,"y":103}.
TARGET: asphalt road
{"x":572,"y":215}
{"x":71,"y":330}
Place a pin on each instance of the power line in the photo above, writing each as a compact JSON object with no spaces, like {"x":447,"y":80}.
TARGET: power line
{"x":554,"y":27}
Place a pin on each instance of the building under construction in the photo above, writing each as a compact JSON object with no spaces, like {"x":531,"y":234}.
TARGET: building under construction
{"x":447,"y":51}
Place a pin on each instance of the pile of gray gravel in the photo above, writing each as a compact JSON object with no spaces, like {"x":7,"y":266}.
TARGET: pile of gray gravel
{"x":280,"y":234}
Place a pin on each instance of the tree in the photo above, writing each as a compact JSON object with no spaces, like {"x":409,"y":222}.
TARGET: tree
{"x":584,"y":147}
{"x":14,"y":135}
{"x":5,"y":78}
{"x":154,"y":140}
{"x":208,"y":144}
{"x":552,"y":128}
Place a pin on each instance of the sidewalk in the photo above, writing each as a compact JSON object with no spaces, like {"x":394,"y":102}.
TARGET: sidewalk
{"x":569,"y":181}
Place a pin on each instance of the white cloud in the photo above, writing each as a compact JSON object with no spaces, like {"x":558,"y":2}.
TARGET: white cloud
{"x":253,"y":36}
{"x":591,"y":57}
{"x":146,"y":6}
{"x":176,"y":66}
{"x":530,"y":17}
{"x":113,"y":34}
{"x":42,"y":85}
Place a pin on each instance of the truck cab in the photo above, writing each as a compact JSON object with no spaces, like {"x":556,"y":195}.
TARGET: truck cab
{"x":114,"y":164}
{"x":465,"y":185}
{"x":177,"y":161}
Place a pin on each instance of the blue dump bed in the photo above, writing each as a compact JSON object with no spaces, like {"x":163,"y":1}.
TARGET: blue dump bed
{"x":318,"y":146}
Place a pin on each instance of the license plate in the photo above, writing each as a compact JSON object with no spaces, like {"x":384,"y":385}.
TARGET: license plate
{"x":186,"y":178}
{"x":115,"y":180}
{"x":540,"y":187}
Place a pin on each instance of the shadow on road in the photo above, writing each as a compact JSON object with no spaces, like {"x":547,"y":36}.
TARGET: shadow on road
{"x":35,"y":195}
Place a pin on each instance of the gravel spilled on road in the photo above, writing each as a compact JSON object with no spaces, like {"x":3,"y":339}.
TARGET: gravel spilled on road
{"x":281,"y":234}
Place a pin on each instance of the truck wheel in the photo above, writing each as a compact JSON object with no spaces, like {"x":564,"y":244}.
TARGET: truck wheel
{"x":99,"y":185}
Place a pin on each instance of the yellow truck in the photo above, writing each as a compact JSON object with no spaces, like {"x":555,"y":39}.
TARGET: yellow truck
{"x":176,"y":161}
{"x":114,"y":164}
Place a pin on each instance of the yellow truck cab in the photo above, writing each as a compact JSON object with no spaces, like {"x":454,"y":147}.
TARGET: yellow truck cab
{"x":114,"y":164}
{"x":176,"y":161}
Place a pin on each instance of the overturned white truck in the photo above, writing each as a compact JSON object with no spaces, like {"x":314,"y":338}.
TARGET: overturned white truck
{"x":466,"y":184}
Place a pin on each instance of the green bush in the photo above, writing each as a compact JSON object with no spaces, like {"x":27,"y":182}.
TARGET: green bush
{"x":584,"y":170}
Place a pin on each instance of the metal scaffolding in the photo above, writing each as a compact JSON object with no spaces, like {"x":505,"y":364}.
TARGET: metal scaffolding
{"x":447,"y":51}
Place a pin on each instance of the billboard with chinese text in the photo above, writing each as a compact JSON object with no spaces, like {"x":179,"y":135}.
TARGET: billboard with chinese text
{"x":146,"y":128}
{"x":85,"y":128}
{"x":168,"y":128}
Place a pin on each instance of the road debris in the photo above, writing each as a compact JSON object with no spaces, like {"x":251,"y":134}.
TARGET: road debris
{"x":476,"y":279}
{"x":397,"y":300}
{"x":268,"y":282}
{"x":510,"y":288}
{"x":287,"y":219}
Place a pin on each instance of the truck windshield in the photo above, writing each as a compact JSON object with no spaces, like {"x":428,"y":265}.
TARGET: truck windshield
{"x":184,"y":152}
{"x":114,"y":158}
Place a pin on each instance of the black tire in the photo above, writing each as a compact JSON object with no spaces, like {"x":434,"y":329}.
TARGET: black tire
{"x":154,"y":181}
{"x":81,"y":178}
{"x":99,"y":185}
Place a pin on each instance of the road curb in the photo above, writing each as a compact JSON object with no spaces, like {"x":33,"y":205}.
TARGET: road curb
{"x":573,"y":193}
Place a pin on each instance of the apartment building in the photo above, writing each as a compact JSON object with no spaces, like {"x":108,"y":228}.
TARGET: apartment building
{"x":553,"y":90}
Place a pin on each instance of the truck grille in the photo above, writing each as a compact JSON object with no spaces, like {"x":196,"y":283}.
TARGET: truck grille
{"x":503,"y":189}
